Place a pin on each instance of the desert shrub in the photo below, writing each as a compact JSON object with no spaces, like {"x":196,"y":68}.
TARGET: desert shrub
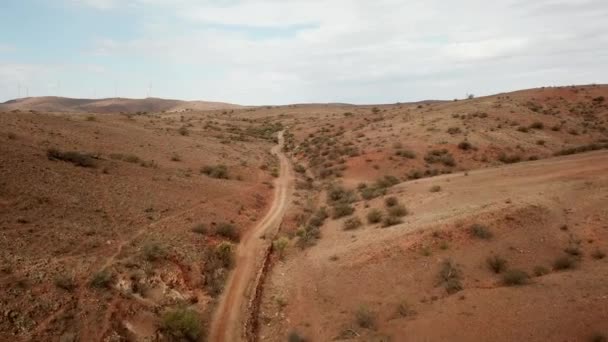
{"x":374,"y":216}
{"x":480,"y":231}
{"x":129,"y":158}
{"x":581,"y":149}
{"x":294,"y":336}
{"x":454,"y":130}
{"x":176,"y":157}
{"x":225,"y":254}
{"x":391,"y":201}
{"x":199,"y":229}
{"x":342,"y":210}
{"x":352,"y":223}
{"x":153,"y":251}
{"x":405,"y":310}
{"x":515,"y":277}
{"x":370,"y":192}
{"x":449,"y":276}
{"x":509,"y":159}
{"x":76,"y":158}
{"x":523,"y":129}
{"x":564,"y":262}
{"x":299,"y":168}
{"x":65,"y":282}
{"x":440,"y":156}
{"x":338,"y":194}
{"x":406,"y":154}
{"x":102,"y":280}
{"x":496,"y":263}
{"x":598,"y":254}
{"x":390,"y":221}
{"x":540,"y":142}
{"x":387,"y":181}
{"x":217,"y":171}
{"x":435,"y":188}
{"x":573,"y":250}
{"x":365,"y":318}
{"x":228,"y":231}
{"x":318,"y":218}
{"x":598,"y":338}
{"x":465,"y":145}
{"x":397,"y":211}
{"x":540,"y":271}
{"x":183,"y":131}
{"x":182,"y":325}
{"x":11,"y":136}
{"x":280,"y":245}
{"x":537,"y":125}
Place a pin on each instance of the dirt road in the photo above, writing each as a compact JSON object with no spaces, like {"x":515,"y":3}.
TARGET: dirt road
{"x":228,"y":322}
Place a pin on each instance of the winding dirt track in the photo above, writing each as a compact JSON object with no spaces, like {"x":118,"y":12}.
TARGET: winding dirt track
{"x":231,"y":313}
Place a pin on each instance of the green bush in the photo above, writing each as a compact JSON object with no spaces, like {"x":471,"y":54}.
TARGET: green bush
{"x":496,"y":263}
{"x":228,"y":231}
{"x":515,"y":278}
{"x":480,"y":231}
{"x":352,"y":223}
{"x":374,"y":216}
{"x":76,"y":158}
{"x":182,"y":324}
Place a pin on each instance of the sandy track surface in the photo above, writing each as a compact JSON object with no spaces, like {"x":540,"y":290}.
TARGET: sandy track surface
{"x":231,"y":313}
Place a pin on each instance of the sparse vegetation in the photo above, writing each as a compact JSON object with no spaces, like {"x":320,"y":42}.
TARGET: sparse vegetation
{"x":440,"y":156}
{"x":280,"y":245}
{"x":352,"y":223}
{"x":435,"y":188}
{"x":465,"y":145}
{"x":374,"y":216}
{"x":153,"y":251}
{"x":480,"y":231}
{"x":182,"y":325}
{"x":228,"y":231}
{"x":515,"y":278}
{"x":509,"y":159}
{"x":217,"y":171}
{"x":199,"y":229}
{"x":365,"y":318}
{"x":390,"y":221}
{"x":397,"y":211}
{"x":391,"y":201}
{"x":540,"y":271}
{"x":496,"y":263}
{"x":102,"y":279}
{"x":76,"y":158}
{"x":449,"y":276}
{"x":65,"y":282}
{"x":342,"y":210}
{"x":564,"y":262}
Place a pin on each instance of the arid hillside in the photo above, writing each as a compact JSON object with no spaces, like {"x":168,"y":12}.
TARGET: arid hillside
{"x":477,"y":219}
{"x":110,"y":223}
{"x":112,"y":105}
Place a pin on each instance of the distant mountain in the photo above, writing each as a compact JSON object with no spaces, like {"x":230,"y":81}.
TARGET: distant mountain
{"x":111,"y":105}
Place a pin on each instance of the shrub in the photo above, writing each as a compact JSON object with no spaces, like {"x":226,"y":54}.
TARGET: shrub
{"x":294,"y":336}
{"x":225,"y":254}
{"x":342,"y":210}
{"x":65,"y":282}
{"x":397,"y":211}
{"x":129,"y":158}
{"x":387,"y":181}
{"x":374,"y":216}
{"x":523,"y":129}
{"x":480,"y":231}
{"x":280,"y":245}
{"x":199,"y":229}
{"x":454,"y":130}
{"x":11,"y":136}
{"x":540,"y":271}
{"x":183,"y":131}
{"x":509,"y":159}
{"x":391,"y":201}
{"x":496,"y":263}
{"x":404,"y":310}
{"x":217,"y":171}
{"x":368,"y":193}
{"x":440,"y":156}
{"x":175,"y":157}
{"x":465,"y":145}
{"x":515,"y":278}
{"x":406,"y":154}
{"x":390,"y":221}
{"x":153,"y":251}
{"x":598,"y":338}
{"x":598,"y":254}
{"x":365,"y":318}
{"x":228,"y":231}
{"x":537,"y":125}
{"x":449,"y":275}
{"x":352,"y":223}
{"x":564,"y":263}
{"x":299,"y":168}
{"x":435,"y":188}
{"x":76,"y":158}
{"x":573,"y":250}
{"x":102,"y":280}
{"x":182,"y":324}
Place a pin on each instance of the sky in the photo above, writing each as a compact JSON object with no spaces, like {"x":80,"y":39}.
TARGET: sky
{"x":272,"y":52}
